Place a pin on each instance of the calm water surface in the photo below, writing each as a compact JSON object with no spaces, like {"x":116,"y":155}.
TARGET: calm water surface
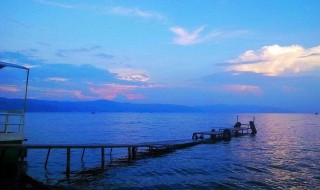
{"x":284,"y":154}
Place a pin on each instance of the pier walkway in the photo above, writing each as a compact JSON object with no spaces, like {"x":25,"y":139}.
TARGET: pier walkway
{"x":149,"y":148}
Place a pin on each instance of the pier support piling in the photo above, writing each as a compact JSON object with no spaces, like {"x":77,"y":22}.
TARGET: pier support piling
{"x":68,"y":162}
{"x":84,"y":149}
{"x":45,"y":165}
{"x":129,"y":153}
{"x":102,"y":157}
{"x":134,"y":152}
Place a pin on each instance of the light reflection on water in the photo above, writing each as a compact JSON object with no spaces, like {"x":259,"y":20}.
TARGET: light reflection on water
{"x":284,"y":154}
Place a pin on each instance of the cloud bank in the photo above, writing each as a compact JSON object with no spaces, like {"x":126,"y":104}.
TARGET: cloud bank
{"x":277,"y":60}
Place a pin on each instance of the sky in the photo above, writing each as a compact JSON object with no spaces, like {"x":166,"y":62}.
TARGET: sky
{"x":208,"y":52}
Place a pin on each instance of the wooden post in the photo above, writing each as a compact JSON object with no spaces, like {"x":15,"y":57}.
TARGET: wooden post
{"x":45,"y":165}
{"x":134,"y":152}
{"x":68,"y":162}
{"x":129,"y":153}
{"x":84,"y":149}
{"x":110,"y":152}
{"x":6,"y":124}
{"x":102,"y":157}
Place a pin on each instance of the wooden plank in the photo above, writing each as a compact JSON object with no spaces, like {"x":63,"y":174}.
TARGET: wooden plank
{"x":208,"y":133}
{"x":64,"y":146}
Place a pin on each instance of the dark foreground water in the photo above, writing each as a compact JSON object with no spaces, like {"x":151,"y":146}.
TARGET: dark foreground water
{"x":284,"y":154}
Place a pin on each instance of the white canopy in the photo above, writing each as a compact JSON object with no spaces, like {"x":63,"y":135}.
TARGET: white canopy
{"x":3,"y":64}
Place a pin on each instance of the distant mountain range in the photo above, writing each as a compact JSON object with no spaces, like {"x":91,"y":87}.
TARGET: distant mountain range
{"x":34,"y":105}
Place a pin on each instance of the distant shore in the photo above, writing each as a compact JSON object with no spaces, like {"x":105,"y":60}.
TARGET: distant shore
{"x":97,"y":106}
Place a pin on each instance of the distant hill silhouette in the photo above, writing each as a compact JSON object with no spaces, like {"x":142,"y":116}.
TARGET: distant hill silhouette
{"x":34,"y":105}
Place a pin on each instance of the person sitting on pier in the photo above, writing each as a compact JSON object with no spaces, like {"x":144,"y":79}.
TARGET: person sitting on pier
{"x":201,"y":137}
{"x":237,"y":125}
{"x":194,"y":137}
{"x":212,"y":136}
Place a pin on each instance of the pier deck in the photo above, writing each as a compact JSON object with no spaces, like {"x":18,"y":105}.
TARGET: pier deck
{"x":152,"y":148}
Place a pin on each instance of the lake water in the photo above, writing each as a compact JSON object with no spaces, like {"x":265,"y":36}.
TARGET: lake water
{"x":285,"y":153}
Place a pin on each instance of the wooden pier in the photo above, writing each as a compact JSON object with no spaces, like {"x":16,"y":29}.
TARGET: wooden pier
{"x":152,"y":148}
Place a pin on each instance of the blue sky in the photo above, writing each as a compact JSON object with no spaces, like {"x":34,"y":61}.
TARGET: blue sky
{"x":176,"y":52}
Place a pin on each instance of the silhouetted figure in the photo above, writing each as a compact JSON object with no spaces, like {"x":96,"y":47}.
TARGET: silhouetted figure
{"x":238,"y":124}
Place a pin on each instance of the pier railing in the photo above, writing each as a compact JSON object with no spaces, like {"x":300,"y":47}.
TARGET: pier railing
{"x":11,"y":121}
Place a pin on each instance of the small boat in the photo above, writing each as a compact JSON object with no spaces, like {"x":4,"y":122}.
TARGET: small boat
{"x":12,"y":123}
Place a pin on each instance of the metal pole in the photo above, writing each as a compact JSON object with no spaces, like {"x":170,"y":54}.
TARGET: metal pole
{"x":26,"y":92}
{"x":25,"y":103}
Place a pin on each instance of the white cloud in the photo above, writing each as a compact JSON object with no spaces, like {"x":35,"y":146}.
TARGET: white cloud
{"x":136,"y":78}
{"x":183,"y":37}
{"x":277,"y":60}
{"x":128,"y":74}
{"x":123,"y":11}
{"x":134,"y":12}
{"x":57,"y":79}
